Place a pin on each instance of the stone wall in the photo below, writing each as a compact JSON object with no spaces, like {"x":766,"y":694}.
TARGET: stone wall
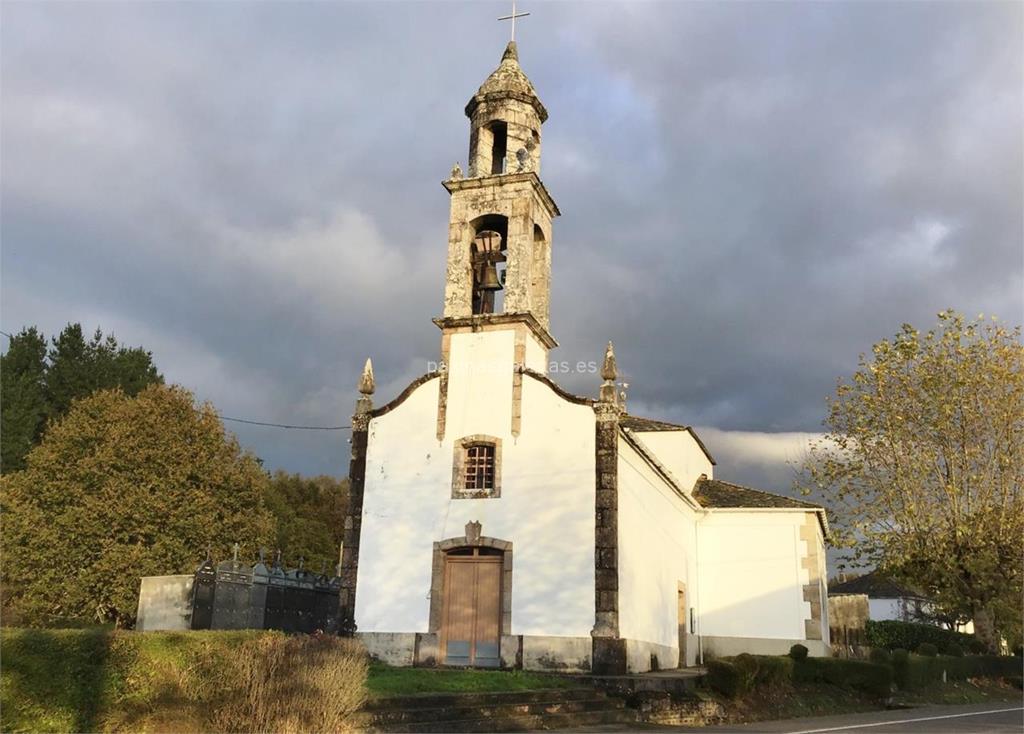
{"x":165,"y":603}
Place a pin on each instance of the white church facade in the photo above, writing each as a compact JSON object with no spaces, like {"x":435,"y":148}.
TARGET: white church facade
{"x":498,"y":521}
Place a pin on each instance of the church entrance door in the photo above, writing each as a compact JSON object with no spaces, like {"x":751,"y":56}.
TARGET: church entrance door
{"x":471,"y":621}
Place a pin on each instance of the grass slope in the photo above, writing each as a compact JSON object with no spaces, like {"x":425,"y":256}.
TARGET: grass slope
{"x":385,"y":681}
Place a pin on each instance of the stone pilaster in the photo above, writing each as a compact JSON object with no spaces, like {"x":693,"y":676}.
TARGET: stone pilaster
{"x":354,"y":517}
{"x":609,"y":650}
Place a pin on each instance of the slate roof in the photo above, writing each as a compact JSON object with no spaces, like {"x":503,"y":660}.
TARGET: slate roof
{"x":716,"y":493}
{"x":649,"y":425}
{"x":875,"y":586}
{"x":636,"y":423}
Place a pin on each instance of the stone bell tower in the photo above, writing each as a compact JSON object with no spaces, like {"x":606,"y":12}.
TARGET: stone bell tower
{"x":499,"y":237}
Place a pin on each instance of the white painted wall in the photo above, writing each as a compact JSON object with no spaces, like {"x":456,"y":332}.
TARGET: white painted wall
{"x":536,"y":354}
{"x":881,"y":609}
{"x":680,"y":454}
{"x":546,"y":508}
{"x":751,"y":583}
{"x":657,"y":550}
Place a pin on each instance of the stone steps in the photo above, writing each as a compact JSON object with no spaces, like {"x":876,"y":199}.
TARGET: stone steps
{"x":435,"y":700}
{"x":497,"y":712}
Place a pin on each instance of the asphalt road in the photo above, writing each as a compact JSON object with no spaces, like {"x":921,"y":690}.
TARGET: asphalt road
{"x":988,"y":718}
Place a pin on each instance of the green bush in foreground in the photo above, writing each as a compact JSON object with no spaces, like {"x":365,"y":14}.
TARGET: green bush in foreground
{"x":918,"y":671}
{"x":774,"y":670}
{"x":798,"y":652}
{"x":102,"y":680}
{"x":871,"y":678}
{"x":927,"y":649}
{"x":725,"y":678}
{"x":954,"y":650}
{"x":880,"y":655}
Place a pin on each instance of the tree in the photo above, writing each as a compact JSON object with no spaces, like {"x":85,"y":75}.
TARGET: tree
{"x":121,"y":488}
{"x":78,"y":368}
{"x":310,"y":516}
{"x":22,"y":397}
{"x":40,"y":386}
{"x":923,"y":466}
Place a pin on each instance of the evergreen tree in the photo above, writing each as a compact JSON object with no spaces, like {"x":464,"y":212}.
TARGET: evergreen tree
{"x":38,"y":385}
{"x":309,"y":513}
{"x":23,"y":404}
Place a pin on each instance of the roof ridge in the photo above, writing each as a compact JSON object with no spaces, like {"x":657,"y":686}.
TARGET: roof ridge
{"x":760,"y":491}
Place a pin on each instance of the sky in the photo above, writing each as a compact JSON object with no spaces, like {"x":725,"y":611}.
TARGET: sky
{"x":752,"y":194}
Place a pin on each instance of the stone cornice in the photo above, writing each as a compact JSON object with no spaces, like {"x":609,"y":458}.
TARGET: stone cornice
{"x":556,"y":388}
{"x":501,"y":179}
{"x":388,"y":407}
{"x":490,"y":321}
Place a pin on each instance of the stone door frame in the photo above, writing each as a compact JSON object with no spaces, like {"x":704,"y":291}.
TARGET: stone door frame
{"x":472,"y":539}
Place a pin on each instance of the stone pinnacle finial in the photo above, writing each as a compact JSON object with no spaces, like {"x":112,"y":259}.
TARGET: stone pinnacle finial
{"x":608,"y":370}
{"x":511,"y":52}
{"x":366,"y":382}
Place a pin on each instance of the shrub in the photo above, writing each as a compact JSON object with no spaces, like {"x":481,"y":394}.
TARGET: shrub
{"x":101,"y":680}
{"x":1019,"y":651}
{"x":294,"y":685}
{"x":725,"y":678}
{"x":872,"y":678}
{"x":774,"y":670}
{"x":748,"y":667}
{"x":798,"y":652}
{"x":927,"y":649}
{"x":918,"y":671}
{"x":880,"y":655}
{"x":901,"y":668}
{"x":892,"y":634}
{"x":976,"y":646}
{"x":954,"y":650}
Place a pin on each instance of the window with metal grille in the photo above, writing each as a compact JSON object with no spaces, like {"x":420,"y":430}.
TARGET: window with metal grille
{"x":479,"y":467}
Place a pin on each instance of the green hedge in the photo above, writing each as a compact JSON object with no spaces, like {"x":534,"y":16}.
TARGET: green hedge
{"x":725,"y":678}
{"x":872,"y":678}
{"x":918,"y":671}
{"x":892,"y":634}
{"x":736,"y":676}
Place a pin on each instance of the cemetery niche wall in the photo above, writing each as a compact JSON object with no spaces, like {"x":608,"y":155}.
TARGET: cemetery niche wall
{"x":234,"y":595}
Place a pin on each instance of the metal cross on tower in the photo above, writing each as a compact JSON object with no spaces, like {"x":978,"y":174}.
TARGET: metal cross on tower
{"x":513,"y":18}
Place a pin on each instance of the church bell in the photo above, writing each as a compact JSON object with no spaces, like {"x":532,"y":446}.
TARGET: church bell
{"x":489,"y":278}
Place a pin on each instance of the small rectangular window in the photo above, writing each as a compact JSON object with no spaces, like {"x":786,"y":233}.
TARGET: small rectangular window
{"x":479,"y":467}
{"x":476,"y":467}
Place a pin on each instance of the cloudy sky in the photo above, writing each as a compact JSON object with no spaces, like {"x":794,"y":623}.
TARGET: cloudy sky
{"x":752,"y":194}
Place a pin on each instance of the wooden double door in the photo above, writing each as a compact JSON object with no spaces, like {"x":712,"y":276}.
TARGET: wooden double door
{"x":471,"y":618}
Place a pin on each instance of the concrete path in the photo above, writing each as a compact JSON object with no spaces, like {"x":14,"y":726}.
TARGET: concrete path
{"x":987,"y":718}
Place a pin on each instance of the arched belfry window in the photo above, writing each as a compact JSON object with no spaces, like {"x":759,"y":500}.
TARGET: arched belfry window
{"x":499,"y":146}
{"x":487,"y":253}
{"x":476,"y":467}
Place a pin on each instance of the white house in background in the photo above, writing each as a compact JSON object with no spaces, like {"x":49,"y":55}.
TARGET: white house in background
{"x":498,"y":520}
{"x":890,"y":600}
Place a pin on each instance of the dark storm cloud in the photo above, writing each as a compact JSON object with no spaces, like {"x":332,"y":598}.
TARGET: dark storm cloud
{"x":752,"y":193}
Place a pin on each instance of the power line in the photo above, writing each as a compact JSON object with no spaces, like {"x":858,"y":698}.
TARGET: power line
{"x":284,"y":425}
{"x":263,"y":423}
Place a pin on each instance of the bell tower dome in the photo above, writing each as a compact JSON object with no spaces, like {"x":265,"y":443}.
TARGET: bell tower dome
{"x":499,"y":238}
{"x":505,"y":117}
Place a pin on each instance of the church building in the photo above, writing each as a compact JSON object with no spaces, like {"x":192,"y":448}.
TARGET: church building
{"x":497,"y":520}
